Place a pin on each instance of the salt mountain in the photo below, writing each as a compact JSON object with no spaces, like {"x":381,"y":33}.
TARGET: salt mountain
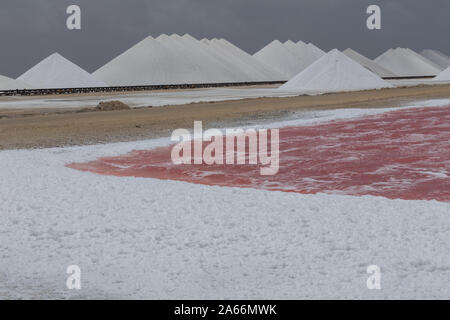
{"x":56,"y":72}
{"x":334,"y":72}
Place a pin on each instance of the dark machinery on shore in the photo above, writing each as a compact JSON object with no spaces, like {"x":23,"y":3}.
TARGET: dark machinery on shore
{"x":43,"y":92}
{"x":40,"y":92}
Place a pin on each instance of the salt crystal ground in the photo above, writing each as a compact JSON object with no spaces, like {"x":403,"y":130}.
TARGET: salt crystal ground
{"x":149,"y":238}
{"x":154,"y":99}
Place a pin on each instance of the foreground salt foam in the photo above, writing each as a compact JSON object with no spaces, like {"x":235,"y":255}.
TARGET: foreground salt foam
{"x":145,"y":238}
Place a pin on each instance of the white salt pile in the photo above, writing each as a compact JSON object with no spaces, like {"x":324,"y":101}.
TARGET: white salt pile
{"x":294,"y":47}
{"x":437,"y":57}
{"x":407,"y":63}
{"x":244,"y":61}
{"x":444,"y":75}
{"x":205,"y":63}
{"x":7,"y":83}
{"x":288,"y":58}
{"x":369,"y":64}
{"x":315,"y":50}
{"x":145,"y":63}
{"x":183,"y":59}
{"x":279,"y":57}
{"x":334,"y":72}
{"x":307,"y":54}
{"x":244,"y":67}
{"x":57,"y":72}
{"x":240,"y":70}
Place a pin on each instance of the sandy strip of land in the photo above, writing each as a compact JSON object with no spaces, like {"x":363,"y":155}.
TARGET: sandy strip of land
{"x":51,"y":128}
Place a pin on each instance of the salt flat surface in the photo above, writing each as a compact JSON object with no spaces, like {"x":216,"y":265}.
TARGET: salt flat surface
{"x":7,"y":83}
{"x":417,"y":82}
{"x":368,"y":63}
{"x":334,"y":72}
{"x":437,"y":57}
{"x":167,"y":98}
{"x":56,"y":71}
{"x":146,"y":238}
{"x":405,"y":62}
{"x":137,"y":100}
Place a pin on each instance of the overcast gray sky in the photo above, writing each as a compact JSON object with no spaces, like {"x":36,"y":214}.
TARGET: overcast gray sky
{"x":30,"y":30}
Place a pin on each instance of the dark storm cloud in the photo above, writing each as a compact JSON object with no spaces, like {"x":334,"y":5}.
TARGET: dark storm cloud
{"x":30,"y":30}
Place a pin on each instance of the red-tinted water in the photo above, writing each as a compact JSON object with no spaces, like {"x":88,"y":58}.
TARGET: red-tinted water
{"x":402,"y":154}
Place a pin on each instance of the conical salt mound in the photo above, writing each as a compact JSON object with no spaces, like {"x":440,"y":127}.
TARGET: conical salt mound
{"x":369,"y":64}
{"x":334,"y":72}
{"x":437,"y":57}
{"x":306,"y":54}
{"x":288,"y":58}
{"x":172,"y":60}
{"x":208,"y":64}
{"x":277,"y":56}
{"x":267,"y":73}
{"x":11,"y":84}
{"x":57,"y":72}
{"x":444,"y":75}
{"x":294,"y":47}
{"x":407,"y":63}
{"x":242,"y":60}
{"x":315,"y":50}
